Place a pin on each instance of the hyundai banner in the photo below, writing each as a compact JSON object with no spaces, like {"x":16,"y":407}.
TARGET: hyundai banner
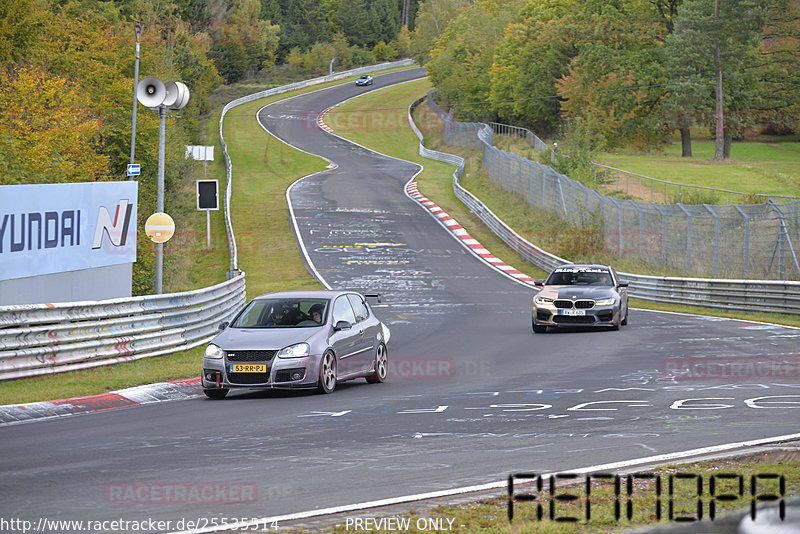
{"x":55,"y":228}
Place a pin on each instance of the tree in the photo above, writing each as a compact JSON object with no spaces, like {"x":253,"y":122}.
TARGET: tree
{"x":49,"y":130}
{"x":244,"y":43}
{"x":714,"y":43}
{"x":536,"y":50}
{"x":777,"y":104}
{"x":616,"y":77}
{"x":432,"y":19}
{"x":20,"y":25}
{"x":461,"y":61}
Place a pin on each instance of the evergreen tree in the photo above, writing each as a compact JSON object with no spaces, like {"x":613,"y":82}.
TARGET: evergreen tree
{"x":717,"y":46}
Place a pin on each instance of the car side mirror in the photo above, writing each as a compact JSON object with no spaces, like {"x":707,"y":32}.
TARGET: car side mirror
{"x":223,"y":325}
{"x":538,"y":283}
{"x":623,"y":284}
{"x":342,"y":325}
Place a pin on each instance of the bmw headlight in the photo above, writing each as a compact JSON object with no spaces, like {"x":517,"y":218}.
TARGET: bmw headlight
{"x":610,"y":301}
{"x":543,"y":300}
{"x":294,"y":351}
{"x":214,"y":352}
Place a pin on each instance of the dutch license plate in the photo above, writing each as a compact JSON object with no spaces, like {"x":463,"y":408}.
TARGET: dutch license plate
{"x":573,"y":312}
{"x":248,"y":368}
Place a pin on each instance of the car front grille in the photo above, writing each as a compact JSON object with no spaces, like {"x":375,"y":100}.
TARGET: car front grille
{"x":574,"y":319}
{"x":569,"y":304}
{"x":250,"y":355}
{"x":248,"y":378}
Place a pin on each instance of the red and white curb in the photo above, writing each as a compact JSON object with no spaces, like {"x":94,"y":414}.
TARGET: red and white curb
{"x":321,"y":121}
{"x":464,"y":236}
{"x":125,"y":398}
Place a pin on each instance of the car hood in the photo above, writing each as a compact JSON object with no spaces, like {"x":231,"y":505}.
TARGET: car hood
{"x":577,"y":292}
{"x":264,"y":338}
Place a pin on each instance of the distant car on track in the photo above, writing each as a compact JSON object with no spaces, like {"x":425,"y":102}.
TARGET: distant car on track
{"x":580,"y":295}
{"x":364,"y":79}
{"x":297,"y":339}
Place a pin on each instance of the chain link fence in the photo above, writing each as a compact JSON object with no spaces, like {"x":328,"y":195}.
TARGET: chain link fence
{"x":722,"y":241}
{"x":772,"y":296}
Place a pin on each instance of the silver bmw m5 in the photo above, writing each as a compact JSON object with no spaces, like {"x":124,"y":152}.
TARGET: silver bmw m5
{"x":297,"y":339}
{"x":580,"y":295}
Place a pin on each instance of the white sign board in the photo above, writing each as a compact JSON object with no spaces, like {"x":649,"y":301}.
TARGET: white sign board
{"x":200,"y":152}
{"x":55,"y":228}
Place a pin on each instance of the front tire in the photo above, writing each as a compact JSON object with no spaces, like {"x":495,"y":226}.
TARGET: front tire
{"x":215,"y":394}
{"x":625,"y":320}
{"x":381,"y":366}
{"x":327,"y":373}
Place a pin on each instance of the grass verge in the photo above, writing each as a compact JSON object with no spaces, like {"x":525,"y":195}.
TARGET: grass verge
{"x":771,"y":168}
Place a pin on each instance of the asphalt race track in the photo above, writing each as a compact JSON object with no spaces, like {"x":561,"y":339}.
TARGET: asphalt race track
{"x":473,"y":395}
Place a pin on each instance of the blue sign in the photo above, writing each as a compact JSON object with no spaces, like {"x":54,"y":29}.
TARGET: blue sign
{"x":134,"y":169}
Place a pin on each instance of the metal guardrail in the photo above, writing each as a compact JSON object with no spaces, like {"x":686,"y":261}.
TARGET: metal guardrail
{"x":735,"y":295}
{"x":38,"y":339}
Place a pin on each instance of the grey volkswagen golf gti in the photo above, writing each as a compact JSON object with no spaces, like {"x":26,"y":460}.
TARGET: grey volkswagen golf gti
{"x":580,"y":295}
{"x":297,"y":339}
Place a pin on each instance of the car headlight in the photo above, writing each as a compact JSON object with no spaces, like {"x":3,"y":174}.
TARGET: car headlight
{"x":214,"y":352}
{"x":294,"y":351}
{"x":543,"y":300}
{"x":610,"y":301}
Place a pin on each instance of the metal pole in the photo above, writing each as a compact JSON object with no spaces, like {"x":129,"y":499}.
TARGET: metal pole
{"x":208,"y":212}
{"x":162,"y":121}
{"x":137,"y":27}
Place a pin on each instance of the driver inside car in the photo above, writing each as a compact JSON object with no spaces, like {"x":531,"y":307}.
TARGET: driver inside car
{"x":279,"y":316}
{"x":315,"y":312}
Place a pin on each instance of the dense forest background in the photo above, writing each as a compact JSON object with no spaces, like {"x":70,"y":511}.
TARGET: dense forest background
{"x":610,"y":73}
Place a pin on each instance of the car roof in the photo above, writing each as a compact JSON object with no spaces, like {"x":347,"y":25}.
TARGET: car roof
{"x":302,"y":294}
{"x":583,"y":266}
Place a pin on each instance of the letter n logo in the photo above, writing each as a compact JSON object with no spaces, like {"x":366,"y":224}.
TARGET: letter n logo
{"x":117,"y":230}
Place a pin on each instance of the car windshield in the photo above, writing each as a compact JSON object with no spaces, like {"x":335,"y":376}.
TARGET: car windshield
{"x":364,"y":77}
{"x":283,"y":313}
{"x":579,"y":277}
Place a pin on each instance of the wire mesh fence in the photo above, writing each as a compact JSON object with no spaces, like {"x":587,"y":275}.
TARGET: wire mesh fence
{"x":722,"y":241}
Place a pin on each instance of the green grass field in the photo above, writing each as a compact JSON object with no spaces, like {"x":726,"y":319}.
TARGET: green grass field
{"x":771,"y":168}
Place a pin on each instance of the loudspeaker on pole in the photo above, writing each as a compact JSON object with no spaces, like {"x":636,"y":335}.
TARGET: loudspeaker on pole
{"x":177,"y":95}
{"x":151,"y":92}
